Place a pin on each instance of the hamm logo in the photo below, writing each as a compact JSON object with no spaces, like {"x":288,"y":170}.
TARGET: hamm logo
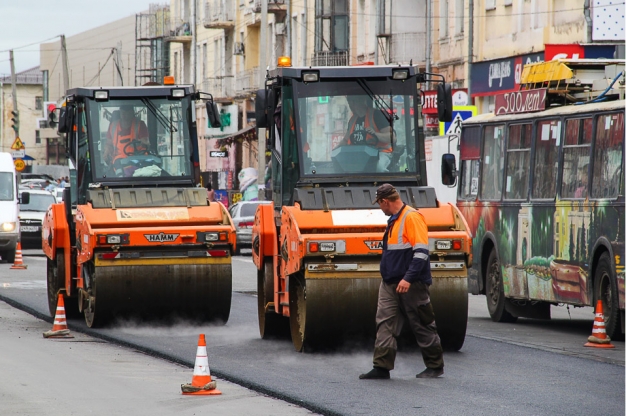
{"x":374,"y":245}
{"x":161,"y":237}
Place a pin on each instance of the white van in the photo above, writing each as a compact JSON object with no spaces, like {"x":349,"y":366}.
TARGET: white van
{"x":9,"y":209}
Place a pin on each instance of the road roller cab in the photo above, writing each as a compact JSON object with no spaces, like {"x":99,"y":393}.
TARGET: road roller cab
{"x":335,"y":134}
{"x":135,"y":233}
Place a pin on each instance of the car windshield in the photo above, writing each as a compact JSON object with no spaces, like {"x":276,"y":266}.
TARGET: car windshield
{"x":348,"y":127}
{"x":146,"y":137}
{"x":38,"y":202}
{"x":6,"y":186}
{"x":248,"y":210}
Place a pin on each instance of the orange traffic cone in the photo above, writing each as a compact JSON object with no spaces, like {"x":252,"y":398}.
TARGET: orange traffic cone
{"x":59,"y":327}
{"x":598,"y":337}
{"x":201,"y":381}
{"x":18,"y":263}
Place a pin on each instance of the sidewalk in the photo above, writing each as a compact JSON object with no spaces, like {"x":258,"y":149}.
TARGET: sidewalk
{"x":85,"y":375}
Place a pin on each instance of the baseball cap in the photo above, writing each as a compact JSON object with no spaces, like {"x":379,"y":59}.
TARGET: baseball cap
{"x":384,"y":191}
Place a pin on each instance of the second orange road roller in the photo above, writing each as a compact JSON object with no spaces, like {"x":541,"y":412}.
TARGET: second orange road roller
{"x":335,"y":134}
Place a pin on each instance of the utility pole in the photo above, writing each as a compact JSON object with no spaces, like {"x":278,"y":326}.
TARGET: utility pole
{"x":66,"y":75}
{"x":262,"y":131}
{"x":470,"y":51}
{"x":429,"y":29}
{"x":193,"y":42}
{"x":16,"y":112}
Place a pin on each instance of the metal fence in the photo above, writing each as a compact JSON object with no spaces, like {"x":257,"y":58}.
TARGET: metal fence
{"x":326,"y":58}
{"x":405,"y":47}
{"x":248,"y":80}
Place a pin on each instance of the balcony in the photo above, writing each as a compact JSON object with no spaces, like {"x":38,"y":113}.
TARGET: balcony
{"x":405,"y":47}
{"x":219,"y":14}
{"x":248,"y":81}
{"x":327,"y":58}
{"x":219,"y":87}
{"x":277,"y":7}
{"x":180,"y":32}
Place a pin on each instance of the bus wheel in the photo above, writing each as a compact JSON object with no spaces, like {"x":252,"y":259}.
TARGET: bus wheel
{"x":605,"y":288}
{"x":495,"y":291}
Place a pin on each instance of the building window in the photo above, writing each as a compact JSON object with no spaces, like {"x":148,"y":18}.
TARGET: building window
{"x":459,"y":12}
{"x":443,"y":19}
{"x":490,"y":4}
{"x":37,"y":137}
{"x":38,"y":103}
{"x":331,"y":25}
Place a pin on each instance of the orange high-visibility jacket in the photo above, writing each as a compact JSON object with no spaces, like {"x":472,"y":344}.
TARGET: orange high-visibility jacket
{"x":369,"y":138}
{"x":120,"y":141}
{"x":405,"y":248}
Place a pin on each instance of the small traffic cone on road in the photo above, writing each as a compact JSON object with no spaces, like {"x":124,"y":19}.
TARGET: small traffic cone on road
{"x":59,"y":327}
{"x":18,"y":263}
{"x":201,"y":383}
{"x":598,"y":337}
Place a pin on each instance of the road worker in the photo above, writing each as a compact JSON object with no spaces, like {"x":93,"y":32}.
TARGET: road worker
{"x":127,"y":135}
{"x":368,"y":125}
{"x":404,"y":291}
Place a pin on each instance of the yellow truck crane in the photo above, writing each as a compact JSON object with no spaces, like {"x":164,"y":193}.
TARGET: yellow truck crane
{"x":335,"y":134}
{"x":134,"y":233}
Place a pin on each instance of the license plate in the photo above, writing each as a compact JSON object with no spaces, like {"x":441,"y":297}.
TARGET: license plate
{"x":29,"y":228}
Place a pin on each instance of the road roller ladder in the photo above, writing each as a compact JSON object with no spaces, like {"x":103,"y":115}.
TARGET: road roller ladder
{"x":334,"y":135}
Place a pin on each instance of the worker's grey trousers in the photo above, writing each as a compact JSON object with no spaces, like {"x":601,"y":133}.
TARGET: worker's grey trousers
{"x":393,"y":309}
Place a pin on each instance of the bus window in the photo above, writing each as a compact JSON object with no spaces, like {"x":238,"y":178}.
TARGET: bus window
{"x":576,"y":151}
{"x":518,"y":161}
{"x":493,"y":161}
{"x":469,"y":162}
{"x":547,"y":142}
{"x":607,"y":161}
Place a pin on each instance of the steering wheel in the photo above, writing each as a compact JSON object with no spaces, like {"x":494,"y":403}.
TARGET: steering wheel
{"x":135,"y":147}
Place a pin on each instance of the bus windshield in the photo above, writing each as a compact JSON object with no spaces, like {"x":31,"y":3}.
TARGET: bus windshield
{"x":142,"y":137}
{"x":356,"y":128}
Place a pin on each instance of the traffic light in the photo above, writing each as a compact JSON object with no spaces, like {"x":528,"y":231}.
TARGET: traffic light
{"x":51,"y":114}
{"x":16,"y":121}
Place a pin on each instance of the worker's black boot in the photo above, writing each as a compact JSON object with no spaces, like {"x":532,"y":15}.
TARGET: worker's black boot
{"x":376,"y":373}
{"x":430,"y":373}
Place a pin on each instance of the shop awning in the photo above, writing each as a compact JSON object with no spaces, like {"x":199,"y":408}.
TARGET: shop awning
{"x":247,"y":134}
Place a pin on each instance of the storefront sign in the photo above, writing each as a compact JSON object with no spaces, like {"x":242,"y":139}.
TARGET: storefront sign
{"x":429,"y":100}
{"x":502,"y":75}
{"x":524,"y":101}
{"x":577,"y":51}
{"x":219,"y":153}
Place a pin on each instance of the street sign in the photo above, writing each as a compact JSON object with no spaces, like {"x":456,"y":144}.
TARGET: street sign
{"x":19,"y":165}
{"x":459,"y":113}
{"x":18,"y":154}
{"x":18,"y":144}
{"x":218,"y":153}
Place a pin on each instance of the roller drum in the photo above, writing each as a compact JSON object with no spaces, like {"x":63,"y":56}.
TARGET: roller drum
{"x":329,"y":312}
{"x":449,"y":299}
{"x":199,"y":291}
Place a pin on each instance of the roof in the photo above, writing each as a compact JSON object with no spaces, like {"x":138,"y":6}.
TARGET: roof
{"x":32,"y":76}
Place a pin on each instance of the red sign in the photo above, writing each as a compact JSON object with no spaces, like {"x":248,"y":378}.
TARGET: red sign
{"x":432,"y":122}
{"x":571,"y":51}
{"x":525,"y":101}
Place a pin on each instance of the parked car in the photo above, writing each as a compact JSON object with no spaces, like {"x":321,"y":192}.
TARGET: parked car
{"x":243,"y":218}
{"x":32,"y":215}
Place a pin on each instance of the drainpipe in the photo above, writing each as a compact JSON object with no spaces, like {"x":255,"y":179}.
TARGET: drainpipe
{"x":429,"y":29}
{"x":193,"y":42}
{"x":588,"y":20}
{"x":306,"y":32}
{"x":288,"y":28}
{"x":470,"y":50}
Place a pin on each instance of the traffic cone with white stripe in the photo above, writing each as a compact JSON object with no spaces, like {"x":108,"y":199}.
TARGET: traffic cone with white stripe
{"x":201,"y":383}
{"x":59,"y":327}
{"x":598,"y":337}
{"x":18,"y":263}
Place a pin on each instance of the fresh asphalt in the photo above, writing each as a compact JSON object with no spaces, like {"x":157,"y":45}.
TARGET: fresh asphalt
{"x":526,"y":368}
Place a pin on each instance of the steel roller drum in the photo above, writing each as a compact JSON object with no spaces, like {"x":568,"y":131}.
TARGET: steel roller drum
{"x":334,"y":310}
{"x":198,"y":291}
{"x":448,"y":296}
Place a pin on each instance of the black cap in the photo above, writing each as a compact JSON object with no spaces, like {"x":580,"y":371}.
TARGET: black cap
{"x":384,"y":191}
